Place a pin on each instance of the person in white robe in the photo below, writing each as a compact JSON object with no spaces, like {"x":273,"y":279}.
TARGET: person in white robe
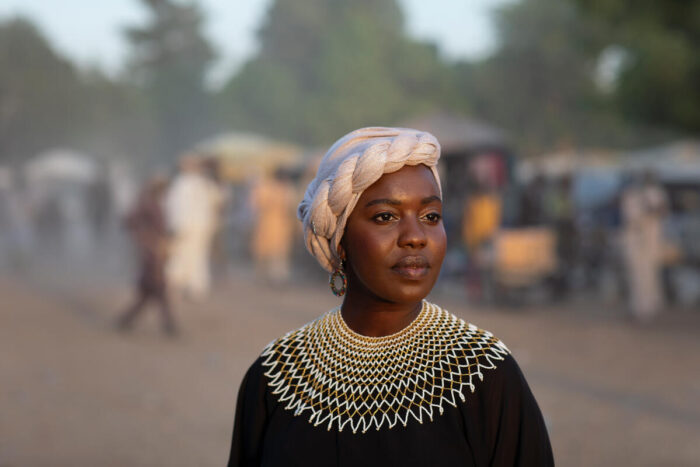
{"x":192,"y":208}
{"x":644,"y":207}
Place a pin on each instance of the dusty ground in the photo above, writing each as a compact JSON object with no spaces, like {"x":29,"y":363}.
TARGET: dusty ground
{"x":74,"y":392}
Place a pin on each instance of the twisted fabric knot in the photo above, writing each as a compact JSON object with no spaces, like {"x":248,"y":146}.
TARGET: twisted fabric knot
{"x":351,"y":165}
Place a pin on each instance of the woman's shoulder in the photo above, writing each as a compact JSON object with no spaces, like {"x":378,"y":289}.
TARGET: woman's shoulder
{"x":460,"y":330}
{"x":296,"y":337}
{"x":483,"y":350}
{"x":467,"y":349}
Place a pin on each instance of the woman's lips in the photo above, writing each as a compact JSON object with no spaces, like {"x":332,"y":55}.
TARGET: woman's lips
{"x":412,"y":267}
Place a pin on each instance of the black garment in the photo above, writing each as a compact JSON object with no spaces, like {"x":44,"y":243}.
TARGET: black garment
{"x":498,"y":424}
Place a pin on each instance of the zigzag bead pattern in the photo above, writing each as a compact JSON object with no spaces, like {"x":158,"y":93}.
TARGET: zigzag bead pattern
{"x":343,"y":379}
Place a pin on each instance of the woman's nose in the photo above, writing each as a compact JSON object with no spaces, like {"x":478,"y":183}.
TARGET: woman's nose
{"x":411,"y":233}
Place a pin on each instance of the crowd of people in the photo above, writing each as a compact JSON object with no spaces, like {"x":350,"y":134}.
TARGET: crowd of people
{"x":184,"y":229}
{"x":188,"y":228}
{"x":568,"y":247}
{"x":60,"y":208}
{"x":179,"y":228}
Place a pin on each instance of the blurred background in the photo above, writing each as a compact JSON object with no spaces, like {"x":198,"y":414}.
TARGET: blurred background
{"x":153,"y":152}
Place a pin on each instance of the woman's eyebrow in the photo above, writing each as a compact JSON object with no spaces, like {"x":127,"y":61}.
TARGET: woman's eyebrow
{"x":395,"y":202}
{"x":392,"y":202}
{"x":430,"y":199}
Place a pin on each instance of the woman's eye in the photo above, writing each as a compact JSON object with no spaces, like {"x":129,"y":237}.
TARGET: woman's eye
{"x":433,"y":217}
{"x":383,"y":217}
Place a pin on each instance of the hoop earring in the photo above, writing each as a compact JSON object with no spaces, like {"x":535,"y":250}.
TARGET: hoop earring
{"x":344,"y":287}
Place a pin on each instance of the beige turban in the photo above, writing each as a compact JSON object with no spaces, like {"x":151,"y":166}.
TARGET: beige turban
{"x":350,"y":166}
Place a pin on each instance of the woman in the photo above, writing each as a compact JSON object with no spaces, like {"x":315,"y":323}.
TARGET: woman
{"x":387,"y":378}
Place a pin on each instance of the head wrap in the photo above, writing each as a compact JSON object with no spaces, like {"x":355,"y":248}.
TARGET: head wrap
{"x":350,"y":166}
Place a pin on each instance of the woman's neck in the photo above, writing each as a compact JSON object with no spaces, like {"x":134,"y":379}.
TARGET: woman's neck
{"x":373,"y":317}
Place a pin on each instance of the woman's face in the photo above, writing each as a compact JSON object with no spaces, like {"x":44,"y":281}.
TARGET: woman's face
{"x":394,"y":240}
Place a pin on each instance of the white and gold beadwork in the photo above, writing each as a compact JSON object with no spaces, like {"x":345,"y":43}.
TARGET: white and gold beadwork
{"x":345,"y":379}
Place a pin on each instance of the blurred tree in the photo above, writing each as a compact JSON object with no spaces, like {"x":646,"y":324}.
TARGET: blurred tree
{"x":170,"y":58}
{"x":326,"y":67}
{"x":539,"y":82}
{"x":120,"y":119}
{"x":542,"y":82}
{"x":40,"y":104}
{"x":659,"y":78}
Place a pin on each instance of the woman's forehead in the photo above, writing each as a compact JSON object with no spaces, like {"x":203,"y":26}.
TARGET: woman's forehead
{"x":417,"y":180}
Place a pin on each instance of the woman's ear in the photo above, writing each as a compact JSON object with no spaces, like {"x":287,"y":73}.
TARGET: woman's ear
{"x":341,"y":252}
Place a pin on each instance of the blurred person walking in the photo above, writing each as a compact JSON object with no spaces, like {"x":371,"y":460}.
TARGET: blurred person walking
{"x":193,"y":208}
{"x":17,"y":239}
{"x":147,"y":226}
{"x":99,"y":206}
{"x":218,"y":252}
{"x":532,"y":203}
{"x":480,"y":222}
{"x":561,"y":213}
{"x":272,"y":204}
{"x":644,"y":206}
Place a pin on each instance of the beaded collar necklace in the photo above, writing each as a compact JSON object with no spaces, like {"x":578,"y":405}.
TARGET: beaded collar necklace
{"x":343,"y":379}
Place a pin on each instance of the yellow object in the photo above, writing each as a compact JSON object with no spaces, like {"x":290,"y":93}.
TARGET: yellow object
{"x":525,"y":255}
{"x":482,"y":217}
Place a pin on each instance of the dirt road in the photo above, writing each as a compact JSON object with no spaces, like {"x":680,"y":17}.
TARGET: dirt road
{"x":75,"y":392}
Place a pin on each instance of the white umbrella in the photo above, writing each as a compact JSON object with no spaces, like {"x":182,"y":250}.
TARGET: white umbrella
{"x":61,"y":165}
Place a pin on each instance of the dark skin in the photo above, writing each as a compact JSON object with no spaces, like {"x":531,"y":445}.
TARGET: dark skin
{"x":393,"y":247}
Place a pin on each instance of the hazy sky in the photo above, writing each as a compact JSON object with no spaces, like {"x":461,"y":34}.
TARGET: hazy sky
{"x":89,"y":31}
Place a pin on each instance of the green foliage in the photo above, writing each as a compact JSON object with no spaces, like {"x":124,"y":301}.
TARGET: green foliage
{"x":170,"y":59}
{"x":120,"y":119}
{"x":659,"y":83}
{"x":326,"y":67}
{"x":45,"y":102}
{"x":538,"y":84}
{"x":541,"y":82}
{"x":37,"y":93}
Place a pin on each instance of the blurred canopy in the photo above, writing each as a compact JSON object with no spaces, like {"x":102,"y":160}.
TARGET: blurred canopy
{"x":170,"y":58}
{"x":36,"y":90}
{"x":45,"y":101}
{"x":565,"y":74}
{"x":325,"y":68}
{"x":659,"y":81}
{"x":538,"y":82}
